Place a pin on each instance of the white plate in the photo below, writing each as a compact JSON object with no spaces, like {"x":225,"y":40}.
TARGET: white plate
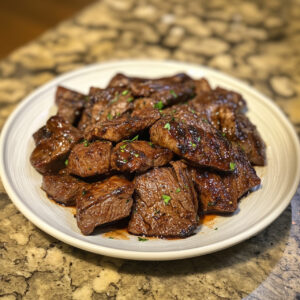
{"x":279,"y":178}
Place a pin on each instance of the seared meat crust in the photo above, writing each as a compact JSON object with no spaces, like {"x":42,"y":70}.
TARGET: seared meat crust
{"x":138,"y":156}
{"x":89,"y":159}
{"x":104,"y":202}
{"x":164,"y":203}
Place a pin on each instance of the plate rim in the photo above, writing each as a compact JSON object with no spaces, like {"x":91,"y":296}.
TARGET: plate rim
{"x":146,"y":255}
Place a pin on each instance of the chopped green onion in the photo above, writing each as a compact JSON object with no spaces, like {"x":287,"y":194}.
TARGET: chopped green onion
{"x":115,"y":99}
{"x":142,"y":239}
{"x":122,"y":150}
{"x":125,"y":160}
{"x":204,"y":120}
{"x":159,"y":105}
{"x":83,"y":192}
{"x":216,"y":228}
{"x":85,"y":143}
{"x":232,"y":166}
{"x":173,"y":93}
{"x":166,"y":198}
{"x":110,"y":237}
{"x":178,"y":190}
{"x":130,"y":99}
{"x":127,"y":201}
{"x":129,"y":141}
{"x":167,"y":126}
{"x":135,"y":138}
{"x":109,"y":116}
{"x":123,"y":146}
{"x":151,"y":144}
{"x":210,"y":204}
{"x":66,"y":162}
{"x":136,"y":155}
{"x":193,"y":145}
{"x":198,"y":139}
{"x":124,"y":93}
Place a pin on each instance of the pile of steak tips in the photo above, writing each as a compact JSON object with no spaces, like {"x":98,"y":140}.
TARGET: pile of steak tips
{"x":159,"y":152}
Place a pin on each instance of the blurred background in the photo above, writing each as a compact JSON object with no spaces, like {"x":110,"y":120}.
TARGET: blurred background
{"x":22,"y":21}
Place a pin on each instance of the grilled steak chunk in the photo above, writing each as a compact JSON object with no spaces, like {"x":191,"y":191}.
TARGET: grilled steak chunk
{"x":89,"y":159}
{"x":157,"y":93}
{"x":104,"y":202}
{"x":220,"y":192}
{"x":63,"y":188}
{"x":42,"y":134}
{"x":123,"y":127}
{"x":202,"y":86}
{"x":69,"y":103}
{"x":50,"y":154}
{"x":110,"y":103}
{"x":221,"y":96}
{"x":165,"y":204}
{"x":193,"y":139}
{"x":236,"y":127}
{"x":138,"y":156}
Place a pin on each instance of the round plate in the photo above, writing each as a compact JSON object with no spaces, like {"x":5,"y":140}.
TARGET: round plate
{"x":279,"y":178}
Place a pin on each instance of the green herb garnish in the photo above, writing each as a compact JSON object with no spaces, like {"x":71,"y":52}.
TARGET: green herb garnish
{"x":136,"y":155}
{"x":83,"y":192}
{"x":151,"y":144}
{"x":198,"y":139}
{"x":110,"y":237}
{"x":193,"y":145}
{"x":216,"y":228}
{"x":232,"y":166}
{"x":210,"y":204}
{"x":109,"y":116}
{"x":130,"y":99}
{"x":159,"y":105}
{"x":125,"y":160}
{"x":173,"y":93}
{"x":133,"y":139}
{"x":123,"y":146}
{"x":166,"y":198}
{"x":124,"y":93}
{"x":85,"y":143}
{"x":66,"y":162}
{"x":223,"y":133}
{"x":177,"y":190}
{"x":142,"y":239}
{"x":167,"y":126}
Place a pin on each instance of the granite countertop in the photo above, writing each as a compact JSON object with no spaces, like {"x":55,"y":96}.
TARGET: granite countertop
{"x":256,"y":41}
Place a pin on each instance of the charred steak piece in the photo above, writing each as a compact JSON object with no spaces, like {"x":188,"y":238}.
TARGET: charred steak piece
{"x":165,"y":204}
{"x":89,"y":159}
{"x":69,"y":103}
{"x":193,"y":139}
{"x":220,"y":192}
{"x":236,"y":127}
{"x":157,"y":93}
{"x":104,"y":202}
{"x":221,"y":96}
{"x":121,"y":80}
{"x":50,"y":154}
{"x":63,"y":188}
{"x":110,"y":103}
{"x":41,"y":134}
{"x":138,"y":156}
{"x":123,"y":127}
{"x":202,"y":86}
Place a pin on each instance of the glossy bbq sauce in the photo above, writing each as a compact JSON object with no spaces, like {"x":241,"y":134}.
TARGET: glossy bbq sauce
{"x":208,"y":220}
{"x":117,"y":234}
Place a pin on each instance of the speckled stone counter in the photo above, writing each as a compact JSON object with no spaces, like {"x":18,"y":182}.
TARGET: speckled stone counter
{"x":256,"y":41}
